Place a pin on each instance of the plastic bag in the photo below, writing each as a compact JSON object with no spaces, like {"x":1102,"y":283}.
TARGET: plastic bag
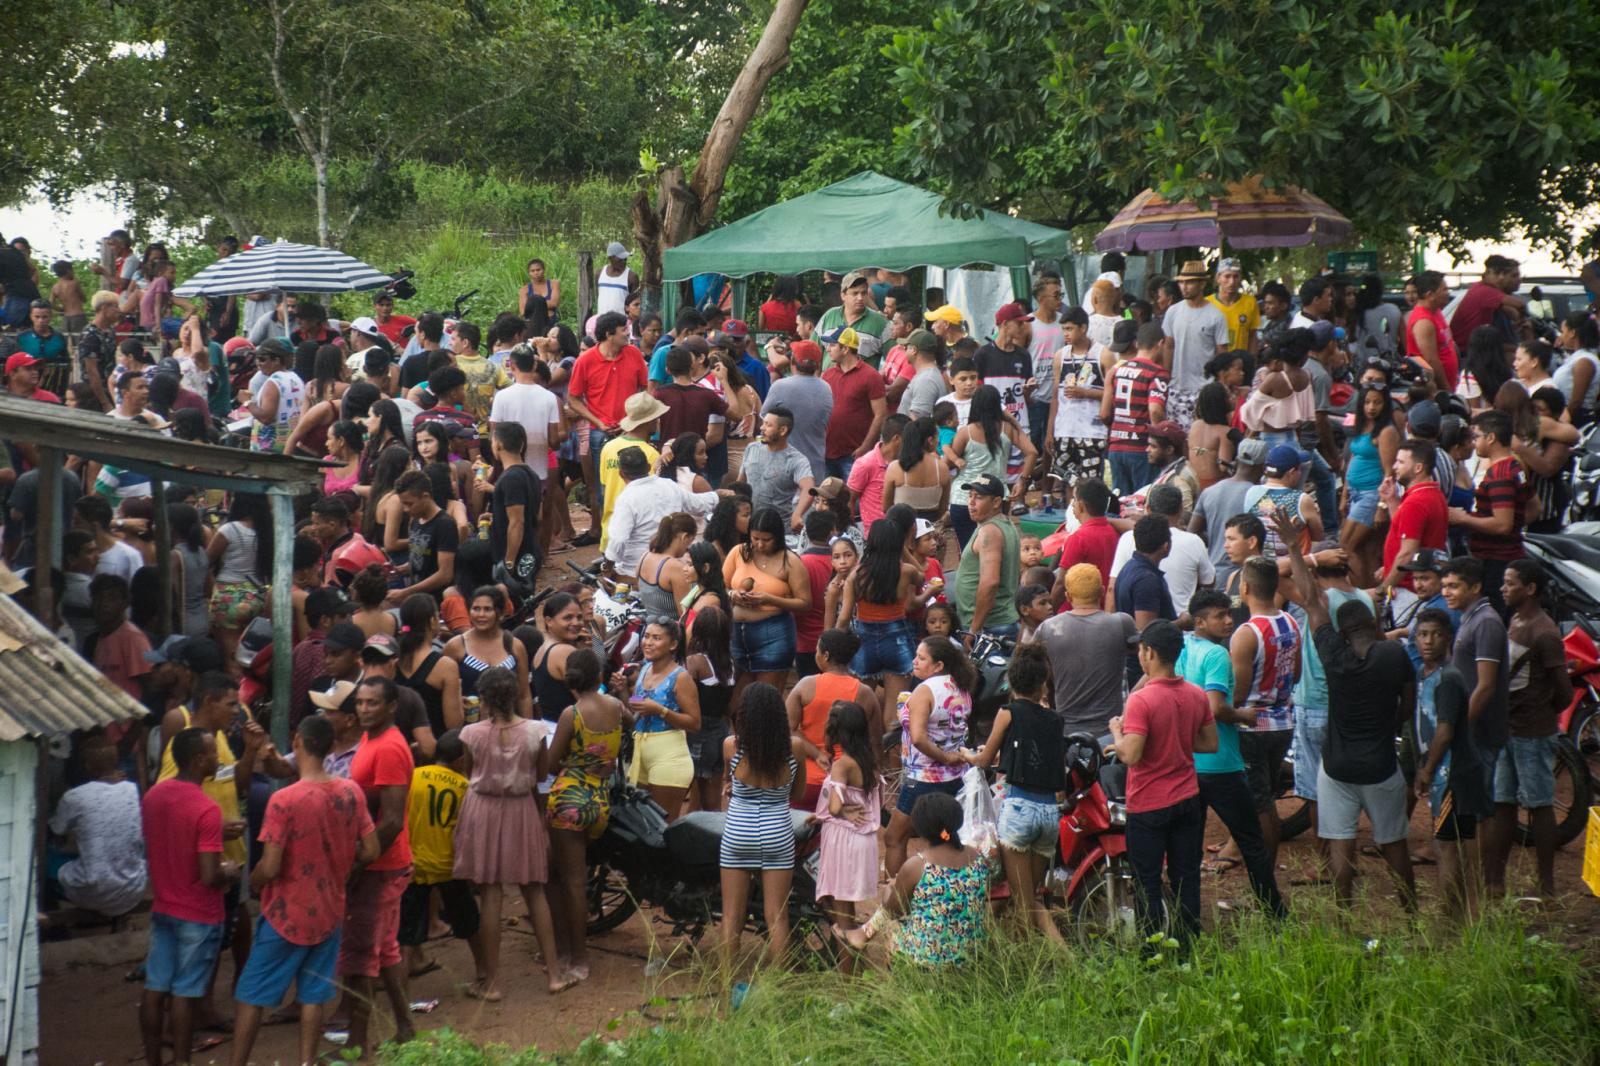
{"x":978,"y":814}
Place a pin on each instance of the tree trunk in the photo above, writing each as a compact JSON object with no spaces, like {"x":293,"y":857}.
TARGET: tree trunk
{"x":320,"y":163}
{"x":683,"y":209}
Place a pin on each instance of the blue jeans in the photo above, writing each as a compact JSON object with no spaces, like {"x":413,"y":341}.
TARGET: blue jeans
{"x":1130,"y":471}
{"x":961,"y":521}
{"x":886,"y":648}
{"x":840,"y":467}
{"x":14,"y":311}
{"x":1173,"y":836}
{"x":1008,"y":631}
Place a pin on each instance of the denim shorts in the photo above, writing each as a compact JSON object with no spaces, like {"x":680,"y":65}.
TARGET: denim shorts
{"x":275,"y":964}
{"x":181,"y":956}
{"x":886,"y":648}
{"x":1525,"y":773}
{"x":1364,"y":506}
{"x":765,"y":646}
{"x":1450,"y":822}
{"x":1310,"y":733}
{"x":910,"y":790}
{"x":1029,"y":825}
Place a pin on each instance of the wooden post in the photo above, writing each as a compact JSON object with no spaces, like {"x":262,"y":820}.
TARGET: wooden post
{"x":282,"y":504}
{"x":163,"y":532}
{"x":47,"y":532}
{"x":586,"y":295}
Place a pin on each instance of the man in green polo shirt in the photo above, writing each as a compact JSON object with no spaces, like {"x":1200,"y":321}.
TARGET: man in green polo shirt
{"x":855,"y":313}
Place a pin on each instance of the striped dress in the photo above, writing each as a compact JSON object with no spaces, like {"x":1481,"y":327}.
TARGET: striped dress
{"x":757,"y":833}
{"x":1271,"y":693}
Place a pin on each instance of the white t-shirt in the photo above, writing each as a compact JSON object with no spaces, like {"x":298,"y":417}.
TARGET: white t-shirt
{"x":1187,"y":566}
{"x":1300,"y":321}
{"x":535,"y":408}
{"x":963,"y":407}
{"x":108,"y":875}
{"x":120,"y":559}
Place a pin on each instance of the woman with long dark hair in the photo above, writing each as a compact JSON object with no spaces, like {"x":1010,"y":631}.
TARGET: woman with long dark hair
{"x":984,"y":445}
{"x":918,"y":477}
{"x":777,"y":314}
{"x":934,"y":724}
{"x":743,"y":400}
{"x":1542,"y":443}
{"x":1373,"y":442}
{"x":1578,"y":376}
{"x":385,"y":427}
{"x":876,"y":599}
{"x":708,"y":590}
{"x":768,"y":585}
{"x":711,"y":667}
{"x":241,"y":551}
{"x":564,"y":634}
{"x":729,"y":524}
{"x":382,"y":520}
{"x":344,"y":444}
{"x":324,"y":394}
{"x":665,"y":575}
{"x":430,"y":674}
{"x":764,"y":776}
{"x":192,"y":575}
{"x":1483,"y":368}
{"x":1211,"y":437}
{"x":688,"y":463}
{"x":665,"y":706}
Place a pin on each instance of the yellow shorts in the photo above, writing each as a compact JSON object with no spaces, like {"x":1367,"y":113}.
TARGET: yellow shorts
{"x":661,"y":759}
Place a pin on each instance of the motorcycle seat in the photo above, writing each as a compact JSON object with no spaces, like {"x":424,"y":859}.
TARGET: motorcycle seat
{"x":696,"y":839}
{"x":1114,"y":781}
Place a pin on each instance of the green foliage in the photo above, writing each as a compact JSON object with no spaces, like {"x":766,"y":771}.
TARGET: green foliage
{"x":1306,"y":994}
{"x":443,"y":1047}
{"x":1462,"y":119}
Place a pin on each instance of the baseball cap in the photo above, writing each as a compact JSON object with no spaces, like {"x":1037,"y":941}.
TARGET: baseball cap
{"x":1422,"y":417}
{"x":845,"y":337}
{"x":922,"y":340}
{"x":617,"y":250}
{"x":805,"y":353}
{"x":199,"y":654}
{"x":1427,"y":560}
{"x":987,"y":485}
{"x":368,"y":325}
{"x":724,"y":340}
{"x":1123,"y":335}
{"x":830,"y":488}
{"x":944,"y":313}
{"x":20,"y":360}
{"x":1323,"y":333}
{"x":380,"y":646}
{"x":852,"y":279}
{"x":1015,"y":311}
{"x":321,"y":602}
{"x":1228,"y":265}
{"x":345,"y":636}
{"x":1252,"y":451}
{"x":1167,"y":429}
{"x":1285,"y":457}
{"x":334,"y":697}
{"x":736,"y":327}
{"x":922,"y":528}
{"x":275,"y":348}
{"x":696,"y":344}
{"x":1150,"y":336}
{"x":233,"y":344}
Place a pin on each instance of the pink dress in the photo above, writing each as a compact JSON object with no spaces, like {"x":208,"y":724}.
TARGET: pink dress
{"x":500,"y":835}
{"x":848,"y":866}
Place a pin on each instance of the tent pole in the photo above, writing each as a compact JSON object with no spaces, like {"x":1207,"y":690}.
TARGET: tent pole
{"x":669,"y":307}
{"x":741,"y":294}
{"x":282,"y":505}
{"x":163,"y":532}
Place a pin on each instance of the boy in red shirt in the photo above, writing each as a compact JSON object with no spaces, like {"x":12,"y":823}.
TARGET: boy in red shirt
{"x":1166,"y":720}
{"x":369,"y":946}
{"x":183,"y":846}
{"x":316,"y":831}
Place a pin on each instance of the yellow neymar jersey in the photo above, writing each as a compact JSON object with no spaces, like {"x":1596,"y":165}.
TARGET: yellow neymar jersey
{"x":432,"y":807}
{"x":221,"y":787}
{"x":1243,"y":316}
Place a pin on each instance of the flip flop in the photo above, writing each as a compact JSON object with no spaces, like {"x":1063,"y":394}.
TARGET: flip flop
{"x":1423,"y":860}
{"x":423,"y":1006}
{"x":432,"y":965}
{"x":1219,"y":866}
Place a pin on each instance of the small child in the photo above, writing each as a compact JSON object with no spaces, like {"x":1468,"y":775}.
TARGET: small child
{"x":437,"y":790}
{"x":1033,"y":607}
{"x":67,"y":295}
{"x":845,"y":558}
{"x":944,"y":416}
{"x":940,"y":621}
{"x":848,"y":809}
{"x":964,"y":382}
{"x":1032,"y":550}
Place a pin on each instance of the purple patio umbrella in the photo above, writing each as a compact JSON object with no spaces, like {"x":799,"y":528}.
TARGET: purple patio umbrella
{"x":1247,"y":215}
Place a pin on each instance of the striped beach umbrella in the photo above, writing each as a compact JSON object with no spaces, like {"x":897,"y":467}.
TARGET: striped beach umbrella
{"x":1246,"y":215}
{"x":286,"y":266}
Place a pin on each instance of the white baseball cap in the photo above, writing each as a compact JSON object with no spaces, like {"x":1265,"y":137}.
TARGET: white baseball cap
{"x":922,"y":528}
{"x":617,"y":250}
{"x":368,"y":325}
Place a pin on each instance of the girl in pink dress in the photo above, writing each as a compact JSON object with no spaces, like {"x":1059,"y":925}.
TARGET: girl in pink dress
{"x":848,"y":809}
{"x":500,"y":835}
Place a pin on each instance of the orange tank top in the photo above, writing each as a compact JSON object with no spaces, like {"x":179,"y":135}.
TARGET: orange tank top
{"x":814,"y":716}
{"x":764,"y":582}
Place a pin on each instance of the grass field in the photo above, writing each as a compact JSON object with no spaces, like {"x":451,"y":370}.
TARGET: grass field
{"x":1305,"y":993}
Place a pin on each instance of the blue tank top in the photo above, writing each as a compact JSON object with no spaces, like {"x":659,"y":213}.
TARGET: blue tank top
{"x":663,"y":692}
{"x":1366,"y":467}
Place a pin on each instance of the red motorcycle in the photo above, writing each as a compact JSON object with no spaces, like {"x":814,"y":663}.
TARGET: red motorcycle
{"x":1092,"y":882}
{"x":1578,"y":756}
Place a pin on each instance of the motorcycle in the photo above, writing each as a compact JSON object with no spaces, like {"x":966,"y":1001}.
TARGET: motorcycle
{"x":1585,"y":506}
{"x":621,"y":614}
{"x":1092,"y":881}
{"x":643,"y":859}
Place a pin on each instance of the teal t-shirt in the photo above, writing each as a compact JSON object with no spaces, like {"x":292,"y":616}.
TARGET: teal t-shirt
{"x":1311,"y":691}
{"x":1208,"y":665}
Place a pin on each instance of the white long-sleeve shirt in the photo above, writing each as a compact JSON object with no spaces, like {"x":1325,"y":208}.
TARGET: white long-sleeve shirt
{"x":641,"y":505}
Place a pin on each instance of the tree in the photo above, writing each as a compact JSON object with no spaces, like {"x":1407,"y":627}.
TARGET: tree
{"x":1461,"y":119}
{"x":682,"y":209}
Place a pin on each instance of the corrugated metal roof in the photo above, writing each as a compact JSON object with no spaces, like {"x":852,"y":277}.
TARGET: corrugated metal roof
{"x":46,"y":687}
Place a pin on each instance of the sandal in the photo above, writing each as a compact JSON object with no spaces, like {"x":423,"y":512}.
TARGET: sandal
{"x":1219,"y":865}
{"x":430,"y":966}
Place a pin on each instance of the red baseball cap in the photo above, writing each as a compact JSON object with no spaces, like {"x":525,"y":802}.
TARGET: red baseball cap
{"x":1016,"y":311}
{"x":806,"y":352}
{"x":18,"y":360}
{"x":735,"y":327}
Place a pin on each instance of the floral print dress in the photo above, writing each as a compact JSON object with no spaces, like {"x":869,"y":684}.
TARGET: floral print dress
{"x":580,"y":798}
{"x":948,"y":915}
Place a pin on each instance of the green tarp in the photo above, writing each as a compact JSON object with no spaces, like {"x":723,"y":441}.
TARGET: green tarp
{"x":867,"y":220}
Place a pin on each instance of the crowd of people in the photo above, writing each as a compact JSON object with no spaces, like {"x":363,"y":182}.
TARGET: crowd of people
{"x":1287,"y":521}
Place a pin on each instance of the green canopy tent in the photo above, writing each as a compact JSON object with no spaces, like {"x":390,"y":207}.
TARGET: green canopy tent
{"x":865,"y":220}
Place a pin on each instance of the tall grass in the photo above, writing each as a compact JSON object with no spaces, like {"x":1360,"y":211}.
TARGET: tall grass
{"x":1305,"y":994}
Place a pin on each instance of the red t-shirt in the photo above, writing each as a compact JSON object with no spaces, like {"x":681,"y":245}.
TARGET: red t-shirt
{"x":778,"y":317}
{"x":1167,"y":712}
{"x":1135,"y":384}
{"x":1424,"y":516}
{"x":318,"y":824}
{"x":1503,"y":485}
{"x":604,"y":385}
{"x":180,"y":822}
{"x":690,"y":408}
{"x":394,"y":328}
{"x":43,"y":396}
{"x":1478,"y":307}
{"x":866,"y":481}
{"x":119,"y":655}
{"x":853,"y":393}
{"x":808,"y":624}
{"x":1094,"y":541}
{"x":380,"y":761}
{"x":1446,"y":342}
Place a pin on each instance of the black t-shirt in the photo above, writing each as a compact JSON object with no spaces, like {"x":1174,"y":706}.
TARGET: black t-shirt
{"x":428,"y":539}
{"x":1032,"y":751}
{"x":15,"y":276}
{"x":1465,"y":769}
{"x":518,"y":487}
{"x":414,"y":370}
{"x":1008,"y":372}
{"x":1363,"y":702}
